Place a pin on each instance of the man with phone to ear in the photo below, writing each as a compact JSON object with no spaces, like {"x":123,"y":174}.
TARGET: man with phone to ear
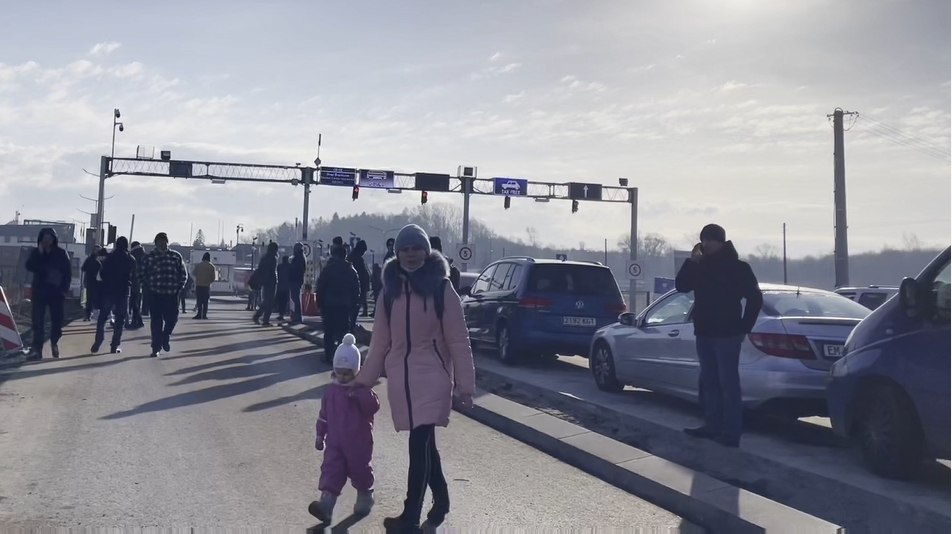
{"x":720,"y":281}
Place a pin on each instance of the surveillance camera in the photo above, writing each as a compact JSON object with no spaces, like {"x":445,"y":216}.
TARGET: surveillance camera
{"x":118,"y":114}
{"x":121,"y":128}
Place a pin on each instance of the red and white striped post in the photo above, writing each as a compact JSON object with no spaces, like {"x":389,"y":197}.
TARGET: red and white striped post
{"x":9,"y":335}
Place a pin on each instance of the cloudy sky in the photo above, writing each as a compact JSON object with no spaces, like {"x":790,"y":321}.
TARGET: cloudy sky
{"x":715,"y":109}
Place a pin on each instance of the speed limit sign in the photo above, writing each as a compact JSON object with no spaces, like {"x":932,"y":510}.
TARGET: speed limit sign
{"x":465,"y":252}
{"x":307,"y":249}
{"x":634,"y":270}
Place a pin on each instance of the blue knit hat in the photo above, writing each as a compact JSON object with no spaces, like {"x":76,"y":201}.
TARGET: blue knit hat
{"x":412,"y":234}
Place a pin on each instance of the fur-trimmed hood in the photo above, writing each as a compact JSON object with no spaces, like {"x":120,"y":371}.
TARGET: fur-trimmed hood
{"x":424,"y":281}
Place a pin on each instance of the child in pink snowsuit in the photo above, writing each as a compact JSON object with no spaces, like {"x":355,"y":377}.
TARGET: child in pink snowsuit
{"x":345,"y":434}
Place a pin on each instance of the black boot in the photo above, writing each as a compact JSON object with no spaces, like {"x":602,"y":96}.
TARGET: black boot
{"x":399,"y":525}
{"x":437,"y":514}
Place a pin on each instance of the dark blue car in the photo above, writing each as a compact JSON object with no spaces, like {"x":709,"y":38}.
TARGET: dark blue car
{"x":525,"y":306}
{"x":890,"y":392}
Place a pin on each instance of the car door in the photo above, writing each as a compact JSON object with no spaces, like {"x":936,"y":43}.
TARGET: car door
{"x":492,"y":304}
{"x":659,"y":350}
{"x":472,"y":305}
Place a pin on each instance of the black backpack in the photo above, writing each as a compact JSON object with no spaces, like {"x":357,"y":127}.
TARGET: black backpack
{"x":438,"y":301}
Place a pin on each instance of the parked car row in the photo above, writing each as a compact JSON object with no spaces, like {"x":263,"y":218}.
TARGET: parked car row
{"x":882,"y":376}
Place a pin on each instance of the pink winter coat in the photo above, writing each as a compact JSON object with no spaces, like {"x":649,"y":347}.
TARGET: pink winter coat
{"x":423,"y":356}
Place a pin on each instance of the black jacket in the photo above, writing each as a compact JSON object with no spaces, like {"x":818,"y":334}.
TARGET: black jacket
{"x":118,"y":273}
{"x":297,"y":270}
{"x":719,"y":282}
{"x":284,"y":273}
{"x":338,"y":285}
{"x":90,"y":269}
{"x":138,"y":254}
{"x":52,"y":270}
{"x":266,"y":275}
{"x":357,"y":260}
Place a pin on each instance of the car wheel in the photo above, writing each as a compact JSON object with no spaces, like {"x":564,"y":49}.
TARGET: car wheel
{"x":602,"y":364}
{"x":504,"y":346}
{"x":889,"y":433}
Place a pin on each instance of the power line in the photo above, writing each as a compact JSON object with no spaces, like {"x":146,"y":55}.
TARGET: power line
{"x":906,"y":135}
{"x":882,"y":133}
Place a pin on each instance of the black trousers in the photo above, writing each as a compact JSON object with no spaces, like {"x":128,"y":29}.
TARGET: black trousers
{"x":53,"y":302}
{"x":267,"y":304}
{"x":117,"y":305}
{"x":92,"y":298}
{"x":281,"y":300}
{"x":203,"y":294}
{"x":135,"y":306}
{"x":164,"y":312}
{"x":336,"y":323}
{"x":425,"y":470}
{"x":296,"y":302}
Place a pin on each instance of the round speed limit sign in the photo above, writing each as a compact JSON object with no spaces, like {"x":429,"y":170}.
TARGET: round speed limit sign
{"x":465,"y":252}
{"x":307,"y":249}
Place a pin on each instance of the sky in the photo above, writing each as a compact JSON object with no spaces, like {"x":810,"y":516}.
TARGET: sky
{"x":715,"y":109}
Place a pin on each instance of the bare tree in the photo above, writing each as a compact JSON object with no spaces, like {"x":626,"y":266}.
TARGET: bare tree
{"x":911,"y":242}
{"x":624,"y":243}
{"x":766,"y":251}
{"x":533,"y":237}
{"x":650,"y":245}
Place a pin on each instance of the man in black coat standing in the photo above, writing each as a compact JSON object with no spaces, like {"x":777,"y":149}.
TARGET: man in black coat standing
{"x":356,"y":259}
{"x":136,"y":293}
{"x":52,"y":274}
{"x":720,"y":281}
{"x":267,"y":279}
{"x":338,"y":289}
{"x":90,"y":270}
{"x":296,"y":280}
{"x":118,"y":275}
{"x":283,"y":291}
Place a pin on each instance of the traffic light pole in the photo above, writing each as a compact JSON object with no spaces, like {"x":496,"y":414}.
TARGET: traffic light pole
{"x":467,"y":185}
{"x":633,"y":284}
{"x":308,"y":178}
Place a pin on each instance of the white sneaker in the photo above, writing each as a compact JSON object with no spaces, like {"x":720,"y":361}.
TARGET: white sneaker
{"x":365,"y":502}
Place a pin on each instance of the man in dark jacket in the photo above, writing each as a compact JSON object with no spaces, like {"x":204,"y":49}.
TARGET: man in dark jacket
{"x":390,"y":252}
{"x":118,"y":275}
{"x":296,"y":280}
{"x":720,"y":281}
{"x":338,"y":289}
{"x":282,"y":293}
{"x":90,"y":269}
{"x":136,"y":294}
{"x":52,"y":274}
{"x":356,"y":259}
{"x":267,"y":279}
{"x":163,"y":276}
{"x":437,"y":244}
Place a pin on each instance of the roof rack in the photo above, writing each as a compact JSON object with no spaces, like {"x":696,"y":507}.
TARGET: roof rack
{"x":530,"y":258}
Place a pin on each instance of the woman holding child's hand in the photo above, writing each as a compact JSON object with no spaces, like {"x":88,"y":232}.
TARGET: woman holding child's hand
{"x":420,"y":339}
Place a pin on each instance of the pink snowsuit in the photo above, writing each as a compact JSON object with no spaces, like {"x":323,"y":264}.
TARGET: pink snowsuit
{"x":346,"y":427}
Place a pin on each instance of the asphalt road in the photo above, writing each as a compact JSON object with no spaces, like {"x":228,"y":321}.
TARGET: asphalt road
{"x":220,"y":433}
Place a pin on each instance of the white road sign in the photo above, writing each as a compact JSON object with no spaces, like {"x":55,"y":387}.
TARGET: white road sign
{"x":464,"y":252}
{"x":634,"y":270}
{"x":307,"y":249}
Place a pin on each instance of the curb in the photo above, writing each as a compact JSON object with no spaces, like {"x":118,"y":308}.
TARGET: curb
{"x":701,"y":499}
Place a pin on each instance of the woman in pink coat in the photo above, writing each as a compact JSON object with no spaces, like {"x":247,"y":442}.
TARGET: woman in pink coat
{"x":420,"y":339}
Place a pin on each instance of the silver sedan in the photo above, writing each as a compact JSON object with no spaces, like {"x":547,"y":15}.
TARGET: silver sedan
{"x":784,"y":361}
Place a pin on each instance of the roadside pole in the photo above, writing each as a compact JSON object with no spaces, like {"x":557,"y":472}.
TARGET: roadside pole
{"x":633,"y":284}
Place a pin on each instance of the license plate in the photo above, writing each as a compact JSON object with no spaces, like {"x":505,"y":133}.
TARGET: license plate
{"x":833,"y":351}
{"x":578,"y":321}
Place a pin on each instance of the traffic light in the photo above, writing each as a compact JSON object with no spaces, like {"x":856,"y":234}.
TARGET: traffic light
{"x":423,"y":198}
{"x":356,"y":193}
{"x":575,"y":206}
{"x":507,"y":202}
{"x":112,"y":235}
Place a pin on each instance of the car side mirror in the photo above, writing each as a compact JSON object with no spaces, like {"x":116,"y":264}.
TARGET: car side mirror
{"x":909,"y":297}
{"x":627,"y":319}
{"x":464,"y":292}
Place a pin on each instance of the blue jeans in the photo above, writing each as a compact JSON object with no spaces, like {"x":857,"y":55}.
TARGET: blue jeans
{"x":720,"y":384}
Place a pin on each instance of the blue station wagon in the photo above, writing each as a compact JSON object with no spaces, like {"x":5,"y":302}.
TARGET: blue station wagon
{"x":526,"y":306}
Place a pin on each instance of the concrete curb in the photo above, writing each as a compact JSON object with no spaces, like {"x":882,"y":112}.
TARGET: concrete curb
{"x":703,"y":500}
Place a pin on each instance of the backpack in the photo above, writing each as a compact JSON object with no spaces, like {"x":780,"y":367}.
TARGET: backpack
{"x":438,"y":301}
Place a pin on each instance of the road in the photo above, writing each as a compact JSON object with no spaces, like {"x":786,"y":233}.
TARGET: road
{"x":219,"y":433}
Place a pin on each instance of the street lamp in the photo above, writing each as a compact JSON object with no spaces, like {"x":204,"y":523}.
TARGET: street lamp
{"x":102,"y":175}
{"x":238,"y":229}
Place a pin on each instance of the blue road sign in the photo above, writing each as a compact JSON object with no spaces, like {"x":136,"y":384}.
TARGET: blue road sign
{"x":338,"y":176}
{"x":376,"y":179}
{"x":663,"y":285}
{"x":513,"y":187}
{"x":561,"y":257}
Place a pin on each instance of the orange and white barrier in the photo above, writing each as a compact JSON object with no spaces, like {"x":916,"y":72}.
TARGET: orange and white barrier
{"x":309,"y":304}
{"x":9,"y":335}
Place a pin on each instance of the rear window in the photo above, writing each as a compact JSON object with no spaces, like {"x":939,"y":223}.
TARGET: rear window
{"x":873,"y":300}
{"x":792,"y":303}
{"x":564,"y":279}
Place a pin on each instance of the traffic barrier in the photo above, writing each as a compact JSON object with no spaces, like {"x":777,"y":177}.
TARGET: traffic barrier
{"x":309,"y":304}
{"x":9,"y":335}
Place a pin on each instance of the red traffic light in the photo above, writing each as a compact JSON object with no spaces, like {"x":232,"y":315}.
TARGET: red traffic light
{"x":356,"y":193}
{"x":423,"y":198}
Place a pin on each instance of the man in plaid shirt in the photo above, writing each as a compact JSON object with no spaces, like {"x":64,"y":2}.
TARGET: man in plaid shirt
{"x":163,"y":276}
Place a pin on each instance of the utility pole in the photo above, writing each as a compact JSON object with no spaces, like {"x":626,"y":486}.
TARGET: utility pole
{"x":785,"y":253}
{"x":841,"y":257}
{"x":633,"y":284}
{"x":132,"y":226}
{"x":466,"y":176}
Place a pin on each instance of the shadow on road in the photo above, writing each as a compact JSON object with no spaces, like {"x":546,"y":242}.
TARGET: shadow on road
{"x":339,"y":528}
{"x":311,"y":394}
{"x":244,"y":366}
{"x":50,"y":370}
{"x":251,"y":358}
{"x":232,"y":347}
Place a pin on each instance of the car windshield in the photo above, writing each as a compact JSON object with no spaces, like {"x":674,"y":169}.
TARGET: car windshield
{"x":568,"y":279}
{"x":810,"y":304}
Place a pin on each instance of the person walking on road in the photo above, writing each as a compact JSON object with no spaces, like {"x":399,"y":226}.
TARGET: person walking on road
{"x":189,"y":284}
{"x":204,"y":275}
{"x":338,"y":288}
{"x":345,"y":432}
{"x":356,"y":259}
{"x":420,"y":340}
{"x":720,"y":281}
{"x":283,"y":291}
{"x":296,"y":281}
{"x":267,"y":274}
{"x":376,"y":285}
{"x":390,"y":253}
{"x":90,"y":270}
{"x":164,"y":276}
{"x":52,"y":274}
{"x":136,"y":294}
{"x":118,"y":275}
{"x":437,"y":244}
